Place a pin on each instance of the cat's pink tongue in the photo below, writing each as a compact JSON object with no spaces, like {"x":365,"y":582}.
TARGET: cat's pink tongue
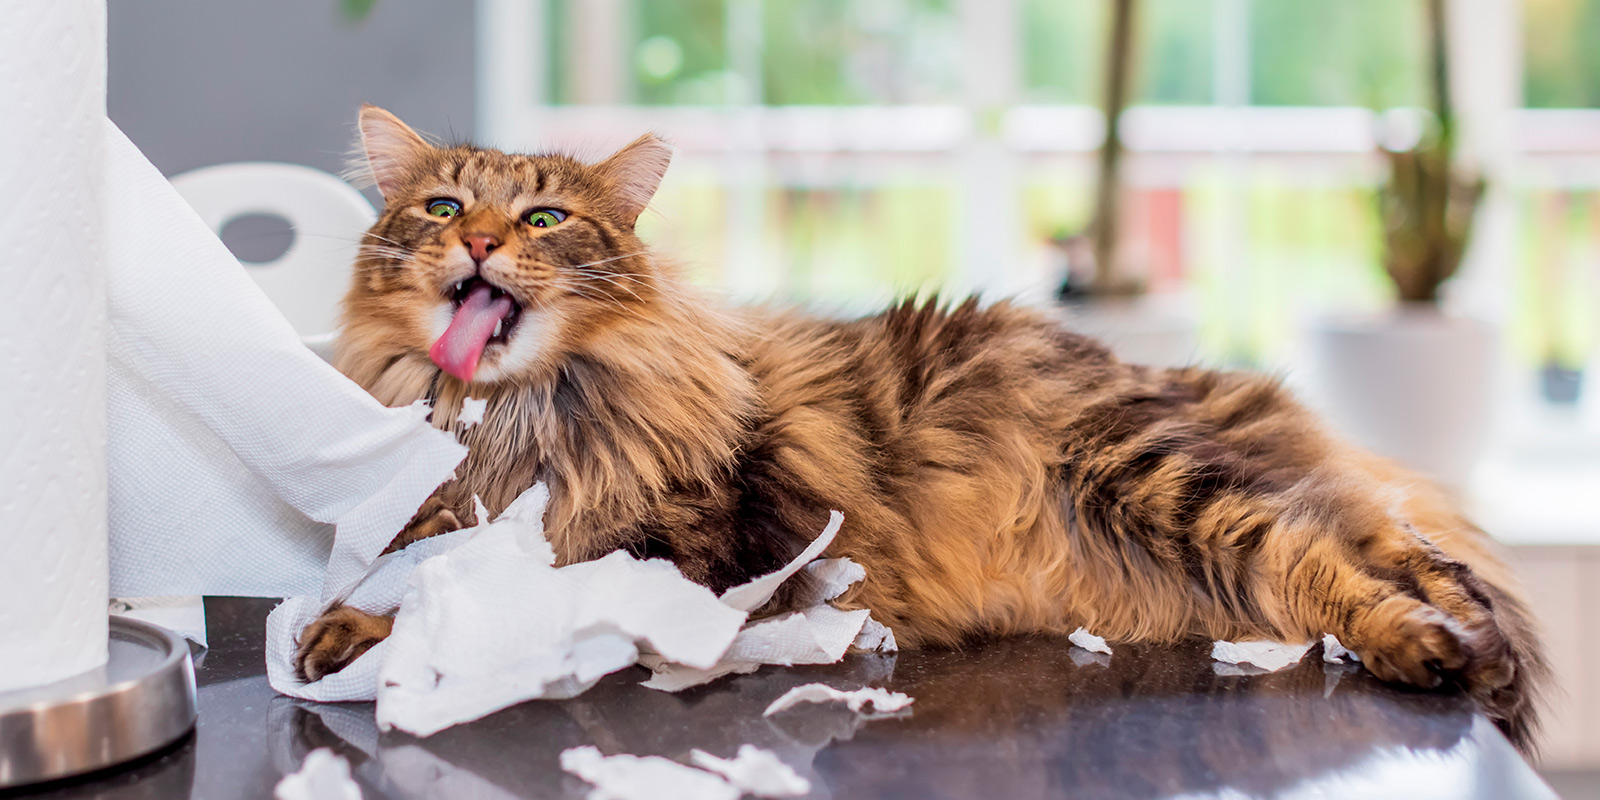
{"x":458,"y":350}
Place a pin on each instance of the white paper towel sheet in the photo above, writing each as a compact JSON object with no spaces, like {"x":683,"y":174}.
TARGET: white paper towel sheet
{"x":325,"y":775}
{"x":884,"y":702}
{"x":1268,"y":655}
{"x":52,"y":342}
{"x":234,"y":451}
{"x":484,"y":620}
{"x":754,"y":771}
{"x":630,"y":777}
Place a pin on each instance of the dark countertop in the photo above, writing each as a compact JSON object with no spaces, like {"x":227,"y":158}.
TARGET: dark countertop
{"x":1014,"y":719}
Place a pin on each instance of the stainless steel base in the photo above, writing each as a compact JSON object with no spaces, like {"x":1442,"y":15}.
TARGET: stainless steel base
{"x":141,"y":701}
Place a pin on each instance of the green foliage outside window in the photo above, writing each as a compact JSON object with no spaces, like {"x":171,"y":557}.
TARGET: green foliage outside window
{"x":1561,"y":45}
{"x":1063,"y":45}
{"x":1347,"y":53}
{"x":1350,"y":52}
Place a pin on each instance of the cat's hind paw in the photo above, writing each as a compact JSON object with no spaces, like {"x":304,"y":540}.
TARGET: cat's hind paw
{"x":1450,"y":638}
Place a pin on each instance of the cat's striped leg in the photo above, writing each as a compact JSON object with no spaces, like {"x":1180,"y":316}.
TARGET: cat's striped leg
{"x":1412,"y":612}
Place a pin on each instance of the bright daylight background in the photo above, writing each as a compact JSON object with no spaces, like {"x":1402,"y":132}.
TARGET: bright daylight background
{"x":842,"y":152}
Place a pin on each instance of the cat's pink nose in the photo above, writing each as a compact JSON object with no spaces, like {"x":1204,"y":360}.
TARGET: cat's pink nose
{"x":480,"y":245}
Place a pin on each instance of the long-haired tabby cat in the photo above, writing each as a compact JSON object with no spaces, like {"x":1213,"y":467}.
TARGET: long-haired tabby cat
{"x":997,"y":473}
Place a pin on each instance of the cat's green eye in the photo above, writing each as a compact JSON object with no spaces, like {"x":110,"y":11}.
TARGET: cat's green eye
{"x":545,"y":217}
{"x":444,"y":208}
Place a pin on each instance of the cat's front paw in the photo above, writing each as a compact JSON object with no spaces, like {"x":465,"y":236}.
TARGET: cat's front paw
{"x":433,"y":518}
{"x":337,"y":638}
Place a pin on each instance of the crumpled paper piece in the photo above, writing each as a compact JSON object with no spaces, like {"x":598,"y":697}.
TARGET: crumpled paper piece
{"x":472,"y":409}
{"x":493,"y":622}
{"x":1334,"y":651}
{"x":379,"y":593}
{"x":884,"y":702}
{"x":816,"y":634}
{"x":1270,"y":656}
{"x":455,"y":654}
{"x":325,"y":775}
{"x":626,"y":777}
{"x":754,"y":771}
{"x":755,"y":594}
{"x":1088,"y":641}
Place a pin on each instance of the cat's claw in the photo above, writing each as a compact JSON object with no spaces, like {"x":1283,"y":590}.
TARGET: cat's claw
{"x":1456,"y":642}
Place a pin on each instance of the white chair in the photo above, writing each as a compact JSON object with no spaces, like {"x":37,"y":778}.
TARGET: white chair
{"x":327,"y":215}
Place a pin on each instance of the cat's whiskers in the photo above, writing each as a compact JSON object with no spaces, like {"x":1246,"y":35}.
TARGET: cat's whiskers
{"x":383,"y":261}
{"x":370,"y":251}
{"x":608,"y":280}
{"x":602,"y":261}
{"x":581,"y":290}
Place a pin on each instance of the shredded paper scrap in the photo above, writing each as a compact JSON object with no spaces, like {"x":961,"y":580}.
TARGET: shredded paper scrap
{"x":1089,"y":641}
{"x":883,"y":701}
{"x":325,"y":775}
{"x":455,"y":654}
{"x":754,"y":771}
{"x":625,"y":777}
{"x":1270,"y":656}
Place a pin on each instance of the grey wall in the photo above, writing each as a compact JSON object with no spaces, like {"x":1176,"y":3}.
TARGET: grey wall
{"x":198,"y":82}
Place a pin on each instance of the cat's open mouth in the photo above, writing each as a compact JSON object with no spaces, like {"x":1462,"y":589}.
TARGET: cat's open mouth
{"x":463,"y":290}
{"x":483,"y":315}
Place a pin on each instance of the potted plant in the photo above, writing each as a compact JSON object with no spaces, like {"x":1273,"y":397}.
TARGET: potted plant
{"x":1102,"y":290}
{"x":1415,"y":383}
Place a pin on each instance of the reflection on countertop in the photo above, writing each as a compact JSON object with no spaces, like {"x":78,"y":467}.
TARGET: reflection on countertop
{"x":1016,"y":718}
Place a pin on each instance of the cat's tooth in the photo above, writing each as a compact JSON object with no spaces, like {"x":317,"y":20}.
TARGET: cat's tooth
{"x":459,"y":284}
{"x":498,"y":326}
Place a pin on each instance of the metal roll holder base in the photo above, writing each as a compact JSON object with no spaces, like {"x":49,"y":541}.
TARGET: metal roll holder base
{"x":140,"y":702}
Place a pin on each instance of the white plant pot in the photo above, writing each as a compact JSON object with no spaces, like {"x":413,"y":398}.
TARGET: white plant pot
{"x":1414,"y":385}
{"x":1145,"y":330}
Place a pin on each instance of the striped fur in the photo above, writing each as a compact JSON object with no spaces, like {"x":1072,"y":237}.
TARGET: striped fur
{"x":998,"y":475}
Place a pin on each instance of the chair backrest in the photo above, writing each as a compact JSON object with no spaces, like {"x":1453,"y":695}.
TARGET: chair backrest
{"x":326,"y":214}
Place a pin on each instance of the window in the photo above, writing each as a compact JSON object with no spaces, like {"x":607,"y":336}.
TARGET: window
{"x":1560,"y":38}
{"x":847,"y":150}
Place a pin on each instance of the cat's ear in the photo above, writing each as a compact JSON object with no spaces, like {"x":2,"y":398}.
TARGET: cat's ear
{"x":635,"y":171}
{"x":389,"y":146}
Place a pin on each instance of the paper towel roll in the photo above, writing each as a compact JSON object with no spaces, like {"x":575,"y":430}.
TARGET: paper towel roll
{"x":53,"y":574}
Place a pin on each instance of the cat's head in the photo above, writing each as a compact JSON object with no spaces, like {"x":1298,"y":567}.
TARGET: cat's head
{"x":492,"y":263}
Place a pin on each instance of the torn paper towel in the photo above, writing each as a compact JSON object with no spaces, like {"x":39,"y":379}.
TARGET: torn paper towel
{"x":1089,"y":641}
{"x":883,"y":701}
{"x":1333,"y":651}
{"x":1270,"y":656}
{"x":876,"y":637}
{"x":325,"y":775}
{"x":472,"y":409}
{"x":754,"y":771}
{"x":816,"y":634}
{"x":820,"y":634}
{"x":456,"y":654}
{"x":234,"y":453}
{"x":380,"y":593}
{"x":625,"y":777}
{"x":755,"y":594}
